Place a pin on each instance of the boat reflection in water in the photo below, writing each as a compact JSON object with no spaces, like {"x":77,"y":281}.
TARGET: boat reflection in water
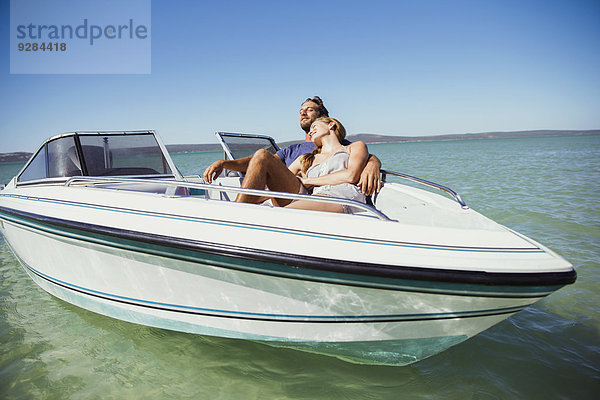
{"x":104,"y":220}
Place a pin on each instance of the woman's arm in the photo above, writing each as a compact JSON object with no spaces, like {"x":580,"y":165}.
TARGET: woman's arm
{"x":356,"y":163}
{"x":296,"y":166}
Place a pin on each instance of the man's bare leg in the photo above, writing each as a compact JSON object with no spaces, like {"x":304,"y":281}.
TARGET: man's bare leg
{"x":266,"y":170}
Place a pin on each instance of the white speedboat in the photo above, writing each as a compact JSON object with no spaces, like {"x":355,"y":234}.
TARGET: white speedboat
{"x":105,"y":221}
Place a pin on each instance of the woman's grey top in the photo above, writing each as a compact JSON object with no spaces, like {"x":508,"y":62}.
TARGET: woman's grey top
{"x":337,"y":162}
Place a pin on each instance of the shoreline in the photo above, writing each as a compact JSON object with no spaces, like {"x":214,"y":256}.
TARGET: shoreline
{"x":365,"y":137}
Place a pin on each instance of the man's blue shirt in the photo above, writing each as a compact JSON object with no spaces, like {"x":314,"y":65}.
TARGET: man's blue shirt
{"x":290,"y":153}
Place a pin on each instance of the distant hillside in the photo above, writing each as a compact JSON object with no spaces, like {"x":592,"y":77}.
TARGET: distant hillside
{"x":365,"y":137}
{"x":374,"y":138}
{"x":190,"y":148}
{"x":14,"y":157}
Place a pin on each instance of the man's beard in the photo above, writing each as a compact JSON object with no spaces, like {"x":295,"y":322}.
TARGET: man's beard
{"x":306,"y":125}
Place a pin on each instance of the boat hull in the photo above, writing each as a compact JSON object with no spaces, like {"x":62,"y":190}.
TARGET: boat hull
{"x":178,"y":286}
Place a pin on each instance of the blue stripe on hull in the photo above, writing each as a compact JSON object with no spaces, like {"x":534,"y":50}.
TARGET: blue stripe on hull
{"x":211,"y":312}
{"x":389,"y":352}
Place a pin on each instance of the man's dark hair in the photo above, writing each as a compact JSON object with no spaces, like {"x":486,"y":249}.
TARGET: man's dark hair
{"x":320,"y":107}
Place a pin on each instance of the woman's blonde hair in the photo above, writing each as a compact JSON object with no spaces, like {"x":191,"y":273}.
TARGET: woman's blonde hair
{"x":340,"y":132}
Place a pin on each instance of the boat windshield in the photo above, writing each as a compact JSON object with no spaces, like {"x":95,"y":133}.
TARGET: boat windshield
{"x":239,"y":145}
{"x":97,"y":155}
{"x":122,"y":155}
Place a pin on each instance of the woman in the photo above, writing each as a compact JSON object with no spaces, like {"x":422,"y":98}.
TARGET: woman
{"x":331,"y":169}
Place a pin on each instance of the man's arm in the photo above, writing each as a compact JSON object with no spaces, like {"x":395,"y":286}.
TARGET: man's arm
{"x":215,"y":169}
{"x":370,"y":178}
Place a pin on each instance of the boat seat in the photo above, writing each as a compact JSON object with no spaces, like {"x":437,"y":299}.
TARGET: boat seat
{"x":60,"y":165}
{"x":95,"y":161}
{"x":71,"y":169}
{"x":235,"y":181}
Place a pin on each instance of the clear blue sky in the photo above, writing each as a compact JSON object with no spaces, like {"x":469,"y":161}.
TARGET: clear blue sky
{"x":389,"y":67}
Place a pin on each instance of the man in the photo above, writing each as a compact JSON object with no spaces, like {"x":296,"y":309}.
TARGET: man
{"x":264,"y":169}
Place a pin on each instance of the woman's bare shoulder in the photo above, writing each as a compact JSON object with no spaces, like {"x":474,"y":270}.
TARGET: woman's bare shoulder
{"x":357,"y":146}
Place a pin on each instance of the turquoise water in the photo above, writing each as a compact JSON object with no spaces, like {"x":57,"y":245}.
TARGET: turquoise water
{"x":545,"y":188}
